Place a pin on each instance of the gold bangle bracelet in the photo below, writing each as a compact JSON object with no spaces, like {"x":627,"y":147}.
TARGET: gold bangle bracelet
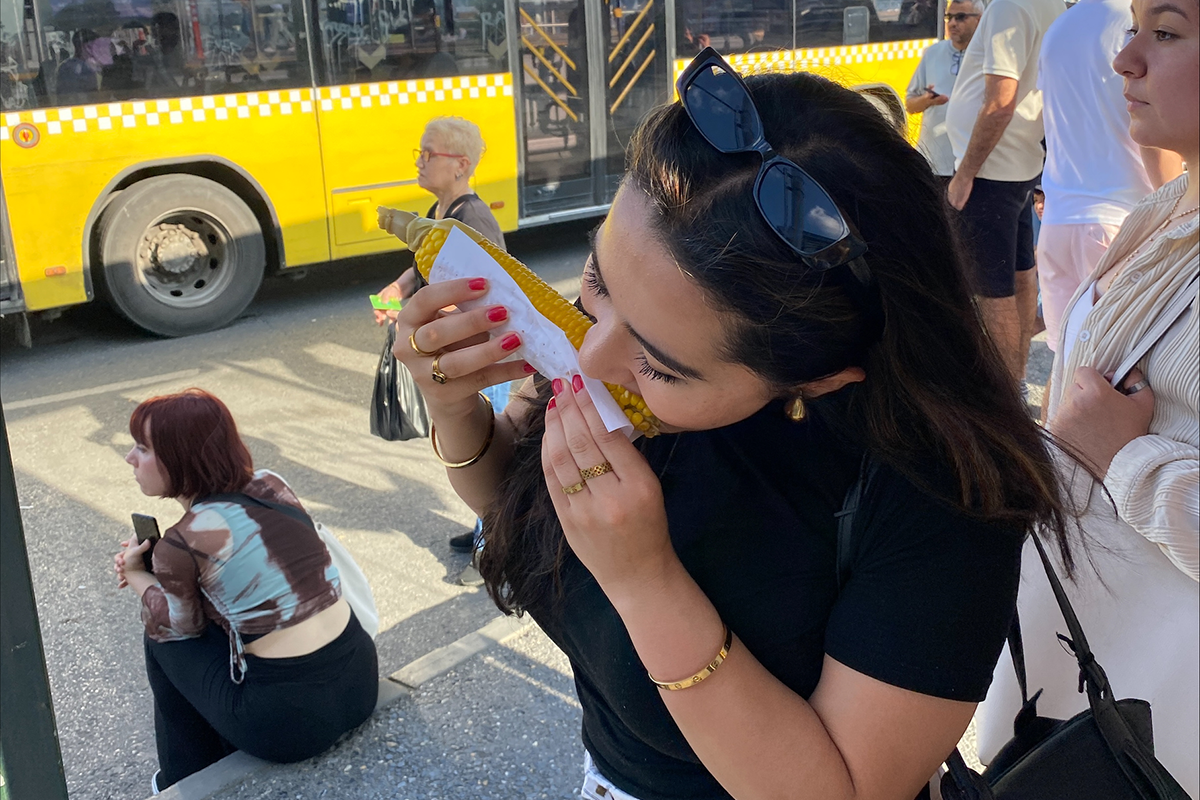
{"x":709,"y":669}
{"x":482,"y":450}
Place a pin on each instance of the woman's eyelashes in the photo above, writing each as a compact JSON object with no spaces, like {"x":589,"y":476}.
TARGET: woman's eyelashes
{"x":645,"y":368}
{"x":592,"y":281}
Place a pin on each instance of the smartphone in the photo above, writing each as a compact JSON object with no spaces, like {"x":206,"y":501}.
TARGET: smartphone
{"x":385,"y":305}
{"x":146,"y":528}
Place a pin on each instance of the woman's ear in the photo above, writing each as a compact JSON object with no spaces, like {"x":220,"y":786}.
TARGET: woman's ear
{"x":834,"y":382}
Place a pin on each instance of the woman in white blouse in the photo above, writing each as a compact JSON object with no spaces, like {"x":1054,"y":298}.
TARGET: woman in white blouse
{"x":1136,"y":592}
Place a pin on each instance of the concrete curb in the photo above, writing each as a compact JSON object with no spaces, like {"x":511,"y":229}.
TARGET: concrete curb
{"x":240,"y":766}
{"x":446,"y":658}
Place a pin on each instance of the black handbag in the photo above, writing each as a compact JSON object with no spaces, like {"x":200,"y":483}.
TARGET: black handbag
{"x":398,"y":410}
{"x":1103,"y":753}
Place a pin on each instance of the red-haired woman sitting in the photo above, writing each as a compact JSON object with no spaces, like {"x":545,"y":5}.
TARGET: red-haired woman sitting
{"x":249,"y":644}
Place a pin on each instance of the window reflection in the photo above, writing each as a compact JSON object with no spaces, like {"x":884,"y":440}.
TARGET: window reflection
{"x":752,"y":26}
{"x":374,"y":40}
{"x":96,"y":51}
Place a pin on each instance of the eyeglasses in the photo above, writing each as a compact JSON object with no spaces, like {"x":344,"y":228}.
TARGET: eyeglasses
{"x":955,"y":60}
{"x":959,"y":17}
{"x":796,"y":207}
{"x":425,"y":155}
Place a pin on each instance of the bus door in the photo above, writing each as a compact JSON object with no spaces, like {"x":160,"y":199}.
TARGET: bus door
{"x":587,"y":72}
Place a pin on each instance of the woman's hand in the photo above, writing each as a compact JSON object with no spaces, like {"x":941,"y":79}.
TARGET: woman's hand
{"x":400,"y":289}
{"x":617,"y":522}
{"x":466,"y":357}
{"x":1098,"y":420}
{"x":129,"y":560}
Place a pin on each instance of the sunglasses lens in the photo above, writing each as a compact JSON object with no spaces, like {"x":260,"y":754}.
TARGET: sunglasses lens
{"x":799,"y":210}
{"x":721,"y":109}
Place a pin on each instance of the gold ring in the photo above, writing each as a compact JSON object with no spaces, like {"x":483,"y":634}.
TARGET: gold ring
{"x":438,"y":375}
{"x":412,"y":342}
{"x":595,"y":472}
{"x":573,"y":488}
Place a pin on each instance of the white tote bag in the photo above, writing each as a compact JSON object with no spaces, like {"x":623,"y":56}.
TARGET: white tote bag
{"x":355,"y":588}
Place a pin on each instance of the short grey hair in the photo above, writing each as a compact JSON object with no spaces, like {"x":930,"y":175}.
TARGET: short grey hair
{"x":459,"y":135}
{"x":978,"y":5}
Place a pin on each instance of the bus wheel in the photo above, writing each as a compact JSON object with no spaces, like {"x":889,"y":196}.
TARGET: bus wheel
{"x":180,"y":254}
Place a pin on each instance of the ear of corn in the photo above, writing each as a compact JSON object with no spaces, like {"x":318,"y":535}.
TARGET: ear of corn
{"x":425,"y":238}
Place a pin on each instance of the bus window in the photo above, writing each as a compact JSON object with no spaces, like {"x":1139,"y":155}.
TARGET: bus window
{"x":826,"y":23}
{"x":743,"y":26}
{"x":753,"y":26}
{"x":98,"y":51}
{"x":19,"y":85}
{"x":377,"y":40}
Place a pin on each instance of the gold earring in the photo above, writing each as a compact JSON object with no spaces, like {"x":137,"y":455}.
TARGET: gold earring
{"x":795,"y":409}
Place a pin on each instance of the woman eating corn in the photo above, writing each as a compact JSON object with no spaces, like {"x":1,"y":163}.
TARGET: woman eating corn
{"x":779,"y":279}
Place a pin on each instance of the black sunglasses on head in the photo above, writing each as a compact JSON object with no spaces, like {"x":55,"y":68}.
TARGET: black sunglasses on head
{"x":794,"y":205}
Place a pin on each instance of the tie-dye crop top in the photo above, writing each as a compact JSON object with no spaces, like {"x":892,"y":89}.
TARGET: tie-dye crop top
{"x":252,"y":570}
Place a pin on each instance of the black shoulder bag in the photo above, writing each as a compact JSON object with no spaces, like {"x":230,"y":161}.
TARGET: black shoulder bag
{"x":398,"y":411}
{"x":1103,"y":753}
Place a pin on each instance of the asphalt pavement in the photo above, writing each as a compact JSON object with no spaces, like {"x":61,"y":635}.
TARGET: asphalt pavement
{"x":297,"y":371}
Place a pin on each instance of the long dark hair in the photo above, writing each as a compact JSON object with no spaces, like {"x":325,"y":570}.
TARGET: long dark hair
{"x":937,"y":391}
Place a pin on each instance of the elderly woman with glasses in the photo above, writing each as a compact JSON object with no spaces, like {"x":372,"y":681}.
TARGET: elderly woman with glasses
{"x":779,"y":279}
{"x":450,"y":150}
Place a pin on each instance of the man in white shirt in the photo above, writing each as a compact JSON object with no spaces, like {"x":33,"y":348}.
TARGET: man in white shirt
{"x":1094,"y":173}
{"x":929,"y":89}
{"x":994,"y":120}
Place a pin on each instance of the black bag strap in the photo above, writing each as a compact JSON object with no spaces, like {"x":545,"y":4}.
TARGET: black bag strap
{"x":1016,"y":649}
{"x":1143,"y":770}
{"x":244,"y":499}
{"x":845,"y":519}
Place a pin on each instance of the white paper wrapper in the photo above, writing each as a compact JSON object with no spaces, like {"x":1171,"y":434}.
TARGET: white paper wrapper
{"x":543,"y":344}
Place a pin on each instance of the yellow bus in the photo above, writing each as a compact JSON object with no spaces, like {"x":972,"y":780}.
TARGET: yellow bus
{"x":166,"y":154}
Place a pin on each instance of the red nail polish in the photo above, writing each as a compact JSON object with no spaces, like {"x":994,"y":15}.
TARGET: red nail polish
{"x":477,"y":284}
{"x":498,"y":314}
{"x":510,"y":342}
{"x":557,"y":386}
{"x":551,"y":404}
{"x":529,"y":369}
{"x":577,"y":382}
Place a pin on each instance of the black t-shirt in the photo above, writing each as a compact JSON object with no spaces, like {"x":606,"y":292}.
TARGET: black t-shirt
{"x":751,"y":510}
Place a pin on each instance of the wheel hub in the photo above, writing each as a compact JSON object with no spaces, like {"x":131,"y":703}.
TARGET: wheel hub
{"x":173,"y":250}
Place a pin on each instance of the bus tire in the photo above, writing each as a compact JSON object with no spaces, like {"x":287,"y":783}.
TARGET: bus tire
{"x":180,"y":254}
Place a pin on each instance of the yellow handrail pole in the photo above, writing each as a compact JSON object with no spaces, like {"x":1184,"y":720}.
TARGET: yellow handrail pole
{"x":629,"y":31}
{"x":549,"y":41}
{"x":549,"y":66}
{"x":548,"y":91}
{"x":632,"y":54}
{"x":632,"y":81}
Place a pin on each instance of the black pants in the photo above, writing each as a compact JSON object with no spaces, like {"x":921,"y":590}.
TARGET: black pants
{"x":286,"y":709}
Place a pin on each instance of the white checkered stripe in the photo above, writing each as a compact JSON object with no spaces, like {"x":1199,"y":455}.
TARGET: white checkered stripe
{"x":155,"y":113}
{"x":789,"y":60}
{"x":401,"y":93}
{"x":253,"y":105}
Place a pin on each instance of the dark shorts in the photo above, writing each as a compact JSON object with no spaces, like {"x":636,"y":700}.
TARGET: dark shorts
{"x":997,"y":226}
